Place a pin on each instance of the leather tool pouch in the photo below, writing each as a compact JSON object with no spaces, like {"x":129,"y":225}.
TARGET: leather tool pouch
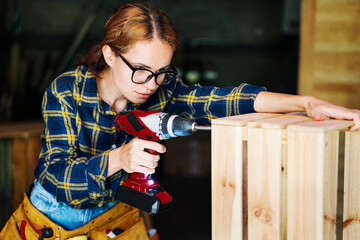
{"x":26,"y":221}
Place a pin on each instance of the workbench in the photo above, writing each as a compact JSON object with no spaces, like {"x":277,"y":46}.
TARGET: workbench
{"x":19,"y":152}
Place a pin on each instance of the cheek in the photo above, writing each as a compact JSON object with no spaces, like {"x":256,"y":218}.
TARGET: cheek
{"x":124,"y":85}
{"x":121,"y":77}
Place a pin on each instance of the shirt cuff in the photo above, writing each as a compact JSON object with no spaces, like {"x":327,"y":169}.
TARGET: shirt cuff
{"x":247,"y":104}
{"x":99,"y":188}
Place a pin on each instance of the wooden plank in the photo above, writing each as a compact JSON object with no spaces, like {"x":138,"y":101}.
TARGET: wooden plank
{"x":21,"y":129}
{"x":5,"y":167}
{"x":336,"y":11}
{"x":320,"y":126}
{"x":348,"y":88}
{"x":20,"y":170}
{"x":226,"y":179}
{"x":337,"y":36}
{"x":33,"y":147}
{"x":306,"y":63}
{"x":331,"y":184}
{"x":279,"y":122}
{"x":242,"y":120}
{"x":245,"y":188}
{"x":336,"y":24}
{"x":283,"y":221}
{"x":343,"y":72}
{"x":305,"y":185}
{"x":351,"y":217}
{"x":264,"y":183}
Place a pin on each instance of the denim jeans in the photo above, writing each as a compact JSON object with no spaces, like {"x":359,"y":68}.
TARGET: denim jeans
{"x":61,"y":213}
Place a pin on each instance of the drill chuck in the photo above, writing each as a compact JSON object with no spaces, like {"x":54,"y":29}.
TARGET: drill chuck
{"x":176,"y":126}
{"x":167,"y":125}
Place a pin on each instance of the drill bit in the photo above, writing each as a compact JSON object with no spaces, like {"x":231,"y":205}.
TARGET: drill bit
{"x":202,"y":127}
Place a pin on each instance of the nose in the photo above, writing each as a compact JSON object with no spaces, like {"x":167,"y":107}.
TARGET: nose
{"x":151,"y":84}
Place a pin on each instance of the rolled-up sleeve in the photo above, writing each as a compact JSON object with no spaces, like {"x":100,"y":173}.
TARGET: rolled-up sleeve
{"x":204,"y":103}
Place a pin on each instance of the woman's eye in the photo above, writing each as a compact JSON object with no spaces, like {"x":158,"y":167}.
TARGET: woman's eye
{"x":139,"y":68}
{"x":164,"y":70}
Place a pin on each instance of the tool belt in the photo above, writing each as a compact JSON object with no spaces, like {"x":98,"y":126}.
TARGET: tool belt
{"x":27,"y":221}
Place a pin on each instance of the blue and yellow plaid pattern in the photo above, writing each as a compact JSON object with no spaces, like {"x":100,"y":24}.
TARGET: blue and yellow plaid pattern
{"x":79,"y":131}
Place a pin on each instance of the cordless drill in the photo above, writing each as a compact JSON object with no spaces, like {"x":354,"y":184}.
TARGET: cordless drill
{"x":138,"y":190}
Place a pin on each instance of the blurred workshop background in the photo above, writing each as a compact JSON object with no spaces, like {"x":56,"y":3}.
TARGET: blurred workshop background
{"x":222,"y":43}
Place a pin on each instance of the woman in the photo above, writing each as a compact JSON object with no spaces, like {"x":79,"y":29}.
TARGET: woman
{"x":83,"y":160}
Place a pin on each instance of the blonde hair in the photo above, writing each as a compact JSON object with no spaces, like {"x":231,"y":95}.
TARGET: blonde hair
{"x":129,"y":24}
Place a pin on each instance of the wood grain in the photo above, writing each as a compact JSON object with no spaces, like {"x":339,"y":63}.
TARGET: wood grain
{"x":264,"y":183}
{"x":305,"y":191}
{"x":226,"y":179}
{"x":330,"y":183}
{"x":290,"y":166}
{"x":351,"y":217}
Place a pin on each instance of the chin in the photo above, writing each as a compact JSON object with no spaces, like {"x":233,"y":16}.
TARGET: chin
{"x":139,"y":101}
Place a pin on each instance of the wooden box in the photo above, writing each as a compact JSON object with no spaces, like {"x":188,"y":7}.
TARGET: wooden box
{"x":275,"y":176}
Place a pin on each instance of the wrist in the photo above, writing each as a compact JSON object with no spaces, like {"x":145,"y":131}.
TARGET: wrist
{"x":306,"y":102}
{"x":309,"y":102}
{"x":113,"y":164}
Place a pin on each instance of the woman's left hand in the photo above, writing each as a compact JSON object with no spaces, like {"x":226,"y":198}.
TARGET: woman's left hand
{"x":320,"y":110}
{"x":314,"y":107}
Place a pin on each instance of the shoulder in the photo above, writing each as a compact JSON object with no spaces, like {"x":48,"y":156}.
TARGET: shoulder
{"x":71,"y":79}
{"x":74,"y":84}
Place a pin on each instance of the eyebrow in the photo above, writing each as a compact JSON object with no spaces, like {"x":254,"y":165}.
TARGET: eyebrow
{"x":145,"y":66}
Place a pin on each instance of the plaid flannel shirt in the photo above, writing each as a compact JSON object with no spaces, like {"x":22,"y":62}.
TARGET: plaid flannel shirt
{"x":79,"y":131}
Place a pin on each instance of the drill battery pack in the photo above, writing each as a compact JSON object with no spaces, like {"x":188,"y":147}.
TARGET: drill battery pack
{"x":144,"y":194}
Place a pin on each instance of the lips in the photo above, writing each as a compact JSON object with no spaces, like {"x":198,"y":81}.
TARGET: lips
{"x":144,"y":95}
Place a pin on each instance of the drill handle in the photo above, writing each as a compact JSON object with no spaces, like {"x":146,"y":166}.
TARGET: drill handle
{"x":153,"y":152}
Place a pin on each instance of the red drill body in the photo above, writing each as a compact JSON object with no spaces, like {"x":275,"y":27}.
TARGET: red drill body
{"x":138,"y":190}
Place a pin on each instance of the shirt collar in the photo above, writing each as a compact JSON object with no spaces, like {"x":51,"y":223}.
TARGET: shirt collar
{"x":89,"y":95}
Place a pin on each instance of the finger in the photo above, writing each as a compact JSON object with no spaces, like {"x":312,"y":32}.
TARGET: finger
{"x":135,"y":166}
{"x":145,"y":170}
{"x":354,"y":128}
{"x":155,"y":146}
{"x":356,"y":125}
{"x":148,"y":160}
{"x":319,"y":117}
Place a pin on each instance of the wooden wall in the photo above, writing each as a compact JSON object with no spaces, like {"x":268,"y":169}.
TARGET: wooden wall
{"x":330,"y":51}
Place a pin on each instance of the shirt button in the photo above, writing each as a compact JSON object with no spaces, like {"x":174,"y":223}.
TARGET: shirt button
{"x":113,"y":146}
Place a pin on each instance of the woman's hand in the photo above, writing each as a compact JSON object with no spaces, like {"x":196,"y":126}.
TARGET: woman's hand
{"x":314,"y":107}
{"x":132,"y":157}
{"x":320,"y":110}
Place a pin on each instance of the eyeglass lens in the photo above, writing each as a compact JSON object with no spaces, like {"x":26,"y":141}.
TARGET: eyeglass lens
{"x":143,"y":76}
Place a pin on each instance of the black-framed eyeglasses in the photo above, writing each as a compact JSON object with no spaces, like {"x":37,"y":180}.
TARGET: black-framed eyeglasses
{"x":141,"y":75}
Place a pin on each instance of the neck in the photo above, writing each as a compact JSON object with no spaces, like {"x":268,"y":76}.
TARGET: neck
{"x":108,"y":92}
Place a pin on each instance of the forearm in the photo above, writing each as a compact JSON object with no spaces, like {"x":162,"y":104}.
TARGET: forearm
{"x":314,"y":107}
{"x":278,"y":102}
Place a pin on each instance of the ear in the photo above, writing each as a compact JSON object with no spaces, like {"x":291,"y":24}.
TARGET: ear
{"x":109,"y":55}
